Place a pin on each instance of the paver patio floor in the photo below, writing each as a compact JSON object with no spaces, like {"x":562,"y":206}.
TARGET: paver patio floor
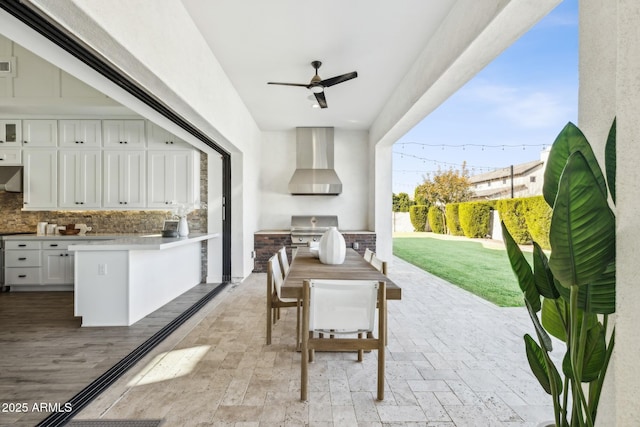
{"x":453,"y":359}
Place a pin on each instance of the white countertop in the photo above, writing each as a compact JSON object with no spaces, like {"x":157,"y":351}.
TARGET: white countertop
{"x":120,"y":242}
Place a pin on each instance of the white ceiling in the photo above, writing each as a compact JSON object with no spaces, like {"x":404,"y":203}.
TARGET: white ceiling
{"x":263,"y":41}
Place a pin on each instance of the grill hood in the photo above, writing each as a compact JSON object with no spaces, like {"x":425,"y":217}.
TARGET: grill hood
{"x":11,"y":179}
{"x":314,"y":173}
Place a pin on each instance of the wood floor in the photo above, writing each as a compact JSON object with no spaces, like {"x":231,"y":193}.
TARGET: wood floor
{"x":46,"y":357}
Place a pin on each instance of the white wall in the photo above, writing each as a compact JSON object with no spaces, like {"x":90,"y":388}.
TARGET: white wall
{"x":278,"y":163}
{"x":609,"y":86}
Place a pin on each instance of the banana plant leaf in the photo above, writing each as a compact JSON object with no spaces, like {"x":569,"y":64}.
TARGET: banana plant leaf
{"x":543,"y":336}
{"x":582,"y":233}
{"x":539,"y":365}
{"x":522,"y":270}
{"x":598,"y":297}
{"x":542,"y":274}
{"x":610,"y":160}
{"x":554,"y":317}
{"x":568,"y":141}
{"x":594,"y":356}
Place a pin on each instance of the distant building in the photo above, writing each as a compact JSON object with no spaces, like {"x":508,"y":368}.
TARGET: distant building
{"x":525,"y":181}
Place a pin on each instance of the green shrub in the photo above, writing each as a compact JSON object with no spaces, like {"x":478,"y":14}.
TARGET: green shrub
{"x":453,"y":220}
{"x":538,"y":216}
{"x":418,"y":216}
{"x":474,"y":218}
{"x":513,"y":214}
{"x":436,"y":220}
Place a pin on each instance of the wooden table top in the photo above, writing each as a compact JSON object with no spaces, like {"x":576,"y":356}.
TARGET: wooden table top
{"x":306,"y":266}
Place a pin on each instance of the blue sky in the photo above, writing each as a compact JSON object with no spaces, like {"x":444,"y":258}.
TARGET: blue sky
{"x":522,"y":99}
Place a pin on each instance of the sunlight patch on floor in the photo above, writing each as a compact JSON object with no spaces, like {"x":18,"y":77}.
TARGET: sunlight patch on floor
{"x":170,"y":365}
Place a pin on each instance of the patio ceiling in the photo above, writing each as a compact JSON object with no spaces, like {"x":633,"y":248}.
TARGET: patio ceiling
{"x":259,"y":41}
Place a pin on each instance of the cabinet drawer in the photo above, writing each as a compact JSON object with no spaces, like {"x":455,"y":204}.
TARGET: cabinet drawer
{"x":10,"y":156}
{"x":21,"y":244}
{"x":27,"y":258}
{"x":55,"y":244}
{"x":22,"y":276}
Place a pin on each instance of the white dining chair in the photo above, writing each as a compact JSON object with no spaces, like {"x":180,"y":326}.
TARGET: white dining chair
{"x":342,"y":308}
{"x":378,"y":264}
{"x":284,"y":261}
{"x":275,"y":301}
{"x":368,"y":253}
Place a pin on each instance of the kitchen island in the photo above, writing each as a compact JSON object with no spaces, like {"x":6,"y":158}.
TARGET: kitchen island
{"x":118,"y":282}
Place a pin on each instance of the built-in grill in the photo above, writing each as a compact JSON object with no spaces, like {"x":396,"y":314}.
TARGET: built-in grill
{"x":309,"y":228}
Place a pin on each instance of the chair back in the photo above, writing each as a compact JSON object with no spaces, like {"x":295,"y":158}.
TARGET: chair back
{"x":368,"y":253}
{"x":377,"y":263}
{"x":342,"y":306}
{"x":284,"y":261}
{"x":275,"y":274}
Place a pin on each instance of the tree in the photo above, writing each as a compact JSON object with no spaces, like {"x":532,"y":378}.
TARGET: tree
{"x":401,"y":202}
{"x":448,"y":186}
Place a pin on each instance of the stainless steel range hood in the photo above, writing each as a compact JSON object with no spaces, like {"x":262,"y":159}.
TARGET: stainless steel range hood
{"x":11,"y":179}
{"x":314,"y":173}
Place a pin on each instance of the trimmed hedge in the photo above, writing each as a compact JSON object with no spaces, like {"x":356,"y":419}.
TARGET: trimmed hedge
{"x":474,"y":218}
{"x":527,"y":219}
{"x":453,"y":219}
{"x":513,"y":214}
{"x":418,"y":216}
{"x":436,"y":220}
{"x":538,"y":215}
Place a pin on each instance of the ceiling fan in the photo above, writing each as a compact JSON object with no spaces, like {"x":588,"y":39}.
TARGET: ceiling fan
{"x":317,"y":85}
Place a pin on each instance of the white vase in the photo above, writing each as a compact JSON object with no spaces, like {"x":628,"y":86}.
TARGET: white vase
{"x":332,"y":248}
{"x":183,"y":227}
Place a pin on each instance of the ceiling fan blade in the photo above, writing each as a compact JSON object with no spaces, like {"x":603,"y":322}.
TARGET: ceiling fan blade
{"x":322,"y":101}
{"x":339,"y":79}
{"x":289,"y":84}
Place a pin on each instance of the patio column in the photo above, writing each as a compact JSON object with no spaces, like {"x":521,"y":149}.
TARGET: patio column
{"x":609,"y":86}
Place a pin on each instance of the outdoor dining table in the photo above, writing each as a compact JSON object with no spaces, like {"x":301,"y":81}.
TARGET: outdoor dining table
{"x":306,"y":266}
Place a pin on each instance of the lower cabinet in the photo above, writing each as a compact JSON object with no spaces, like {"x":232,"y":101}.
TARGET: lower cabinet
{"x":39,"y":265}
{"x":57,"y":267}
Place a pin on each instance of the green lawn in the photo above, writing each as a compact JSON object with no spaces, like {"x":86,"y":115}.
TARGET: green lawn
{"x":467,"y":264}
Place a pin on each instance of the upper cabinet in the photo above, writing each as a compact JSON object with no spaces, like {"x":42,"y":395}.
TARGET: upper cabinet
{"x":40,"y":178}
{"x":80,"y":133}
{"x":39,"y":133}
{"x":123,"y":134}
{"x":10,"y":133}
{"x":160,"y":139}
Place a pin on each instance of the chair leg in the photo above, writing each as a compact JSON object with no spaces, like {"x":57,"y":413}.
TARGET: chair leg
{"x":360,"y":352}
{"x":298,"y":307}
{"x":304,"y":363}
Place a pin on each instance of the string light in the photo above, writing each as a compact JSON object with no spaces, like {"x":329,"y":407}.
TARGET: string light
{"x":482,"y":146}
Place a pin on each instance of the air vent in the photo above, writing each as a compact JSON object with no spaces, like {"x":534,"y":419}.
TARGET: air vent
{"x":7,"y":67}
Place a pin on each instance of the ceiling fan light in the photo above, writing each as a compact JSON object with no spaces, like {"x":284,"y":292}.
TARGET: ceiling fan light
{"x":317,"y":89}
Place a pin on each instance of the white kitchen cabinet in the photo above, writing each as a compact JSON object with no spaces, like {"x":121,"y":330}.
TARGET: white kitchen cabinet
{"x":160,"y":139}
{"x":10,"y":133}
{"x":10,"y":156}
{"x":80,"y":183}
{"x":39,"y":133}
{"x":124,"y":179}
{"x":22,"y":263}
{"x":173,"y":178}
{"x":123,"y":134}
{"x":57,"y":267}
{"x":80,"y":133}
{"x":40,"y":178}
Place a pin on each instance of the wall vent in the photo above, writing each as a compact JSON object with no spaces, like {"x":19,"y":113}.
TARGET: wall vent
{"x":7,"y":67}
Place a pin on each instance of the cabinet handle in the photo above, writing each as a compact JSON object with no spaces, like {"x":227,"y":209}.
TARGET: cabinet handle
{"x":25,"y":142}
{"x":1,"y":142}
{"x":54,"y":245}
{"x":22,"y":276}
{"x":81,"y":142}
{"x":61,"y":254}
{"x":66,"y":254}
{"x":77,"y":142}
{"x":22,"y":259}
{"x":22,"y":245}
